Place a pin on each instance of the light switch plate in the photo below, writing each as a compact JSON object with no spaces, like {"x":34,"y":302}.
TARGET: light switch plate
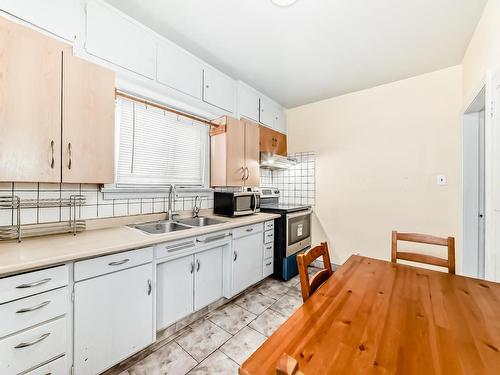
{"x":441,"y":179}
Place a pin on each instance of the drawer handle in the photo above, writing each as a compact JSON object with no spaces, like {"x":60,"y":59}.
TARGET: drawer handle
{"x":269,"y":248}
{"x":33,"y":284}
{"x":36,"y":341}
{"x":198,"y":265}
{"x":180,"y":246}
{"x":235,"y":256}
{"x":33,"y":308}
{"x":150,"y":287}
{"x":214,"y":238}
{"x":249,"y":229}
{"x":119,"y":263}
{"x":192,"y":267}
{"x":268,"y":264}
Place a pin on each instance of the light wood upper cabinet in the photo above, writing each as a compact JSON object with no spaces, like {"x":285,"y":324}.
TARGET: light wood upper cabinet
{"x":234,"y":154}
{"x":252,"y":135}
{"x":88,"y":122}
{"x":30,"y":105}
{"x":272,"y":141}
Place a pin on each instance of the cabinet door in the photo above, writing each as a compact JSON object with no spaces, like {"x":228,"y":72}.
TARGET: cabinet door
{"x":267,"y":112}
{"x":218,"y":89}
{"x":248,"y":103}
{"x":113,"y":318}
{"x":179,"y":70}
{"x":119,"y":40}
{"x":30,"y":113}
{"x":235,"y":148}
{"x":247,"y":261}
{"x":280,"y":120}
{"x":281,"y":144}
{"x":252,"y":153}
{"x":89,"y":122}
{"x":208,"y":277}
{"x":174,"y":290}
{"x":55,"y":16}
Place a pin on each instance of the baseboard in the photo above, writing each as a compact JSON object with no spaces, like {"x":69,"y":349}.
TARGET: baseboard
{"x":320,"y":264}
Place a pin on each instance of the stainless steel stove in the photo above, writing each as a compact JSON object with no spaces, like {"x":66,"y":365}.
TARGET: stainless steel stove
{"x":292,"y":233}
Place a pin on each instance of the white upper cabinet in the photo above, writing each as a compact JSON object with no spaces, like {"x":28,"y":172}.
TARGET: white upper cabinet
{"x":55,"y":16}
{"x":280,"y":120}
{"x":267,"y":112}
{"x":248,"y":103}
{"x":179,"y":70}
{"x":218,"y":89}
{"x":117,"y":39}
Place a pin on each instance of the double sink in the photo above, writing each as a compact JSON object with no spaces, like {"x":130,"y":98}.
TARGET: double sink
{"x":161,"y":227}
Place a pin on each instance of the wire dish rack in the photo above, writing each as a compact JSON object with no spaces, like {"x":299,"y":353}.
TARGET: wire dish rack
{"x":19,"y":231}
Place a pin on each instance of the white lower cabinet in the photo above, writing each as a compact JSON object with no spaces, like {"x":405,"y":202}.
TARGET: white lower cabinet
{"x":113,"y":318}
{"x":174,"y":290}
{"x":247,"y":261}
{"x":208,"y":277}
{"x":187,"y":284}
{"x":30,"y":348}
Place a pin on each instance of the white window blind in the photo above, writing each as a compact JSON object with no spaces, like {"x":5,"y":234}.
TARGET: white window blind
{"x":158,"y":148}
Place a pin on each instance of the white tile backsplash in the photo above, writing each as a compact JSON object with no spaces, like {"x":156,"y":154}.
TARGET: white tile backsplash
{"x":95,"y":206}
{"x":296,"y":184}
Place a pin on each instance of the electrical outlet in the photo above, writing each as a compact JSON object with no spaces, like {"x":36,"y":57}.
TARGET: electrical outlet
{"x":441,"y":179}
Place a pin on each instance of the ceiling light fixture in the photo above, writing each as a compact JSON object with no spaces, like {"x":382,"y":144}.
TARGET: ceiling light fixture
{"x":283,"y":3}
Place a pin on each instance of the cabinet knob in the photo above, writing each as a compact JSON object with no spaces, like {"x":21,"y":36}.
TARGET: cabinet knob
{"x":207,"y":86}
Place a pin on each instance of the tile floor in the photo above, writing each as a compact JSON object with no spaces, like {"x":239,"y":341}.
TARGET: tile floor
{"x":220,"y":341}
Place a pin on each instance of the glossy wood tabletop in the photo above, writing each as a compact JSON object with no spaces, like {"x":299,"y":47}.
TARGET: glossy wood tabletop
{"x":374,"y":316}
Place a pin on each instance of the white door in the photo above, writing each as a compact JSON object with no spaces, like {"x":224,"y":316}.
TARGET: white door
{"x":218,"y":89}
{"x":280,"y":120}
{"x":208,"y":277}
{"x":113,"y":318}
{"x":174,"y":290}
{"x":179,"y":70}
{"x":493,"y":257}
{"x":247,"y":261}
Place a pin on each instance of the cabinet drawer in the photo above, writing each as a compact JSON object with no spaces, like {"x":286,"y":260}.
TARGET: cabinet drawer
{"x":269,"y":236}
{"x":28,"y":312}
{"x":269,"y":250}
{"x":268,"y":268}
{"x":268,"y":225}
{"x":27,"y":284}
{"x":111,"y":263}
{"x":170,"y":248}
{"x":56,"y":367}
{"x":33,"y":347}
{"x":245,"y":231}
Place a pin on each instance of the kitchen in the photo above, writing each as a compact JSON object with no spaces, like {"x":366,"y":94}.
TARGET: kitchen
{"x":167,"y":211}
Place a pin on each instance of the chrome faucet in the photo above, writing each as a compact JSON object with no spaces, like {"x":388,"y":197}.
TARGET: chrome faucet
{"x":171,"y":195}
{"x":196,"y":207}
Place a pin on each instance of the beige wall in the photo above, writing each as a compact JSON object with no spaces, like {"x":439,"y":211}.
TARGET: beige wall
{"x":483,"y":52}
{"x":379,"y":152}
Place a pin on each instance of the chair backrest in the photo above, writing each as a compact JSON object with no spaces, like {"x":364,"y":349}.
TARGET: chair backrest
{"x":307,"y":286}
{"x":288,"y":366}
{"x":421,"y":258}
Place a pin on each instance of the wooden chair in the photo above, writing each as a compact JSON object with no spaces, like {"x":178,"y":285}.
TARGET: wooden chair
{"x":421,"y":258}
{"x":288,"y":366}
{"x":304,"y":260}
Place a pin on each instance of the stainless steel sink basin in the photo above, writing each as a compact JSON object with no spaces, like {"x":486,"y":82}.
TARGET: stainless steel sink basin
{"x":199,"y":221}
{"x":161,"y":227}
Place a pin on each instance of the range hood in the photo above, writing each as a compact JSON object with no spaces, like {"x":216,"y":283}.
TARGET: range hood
{"x":273,"y":161}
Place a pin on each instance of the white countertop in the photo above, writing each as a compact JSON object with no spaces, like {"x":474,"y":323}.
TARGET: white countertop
{"x":40,"y":252}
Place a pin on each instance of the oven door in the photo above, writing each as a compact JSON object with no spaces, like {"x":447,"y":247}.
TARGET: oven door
{"x":298,"y":231}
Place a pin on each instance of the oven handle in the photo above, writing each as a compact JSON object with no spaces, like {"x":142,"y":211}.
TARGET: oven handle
{"x":298,"y":214}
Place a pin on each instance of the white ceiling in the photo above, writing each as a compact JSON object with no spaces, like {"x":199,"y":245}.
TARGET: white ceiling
{"x":315,"y":49}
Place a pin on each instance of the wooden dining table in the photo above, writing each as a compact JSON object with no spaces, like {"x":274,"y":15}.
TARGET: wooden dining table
{"x":374,"y":316}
